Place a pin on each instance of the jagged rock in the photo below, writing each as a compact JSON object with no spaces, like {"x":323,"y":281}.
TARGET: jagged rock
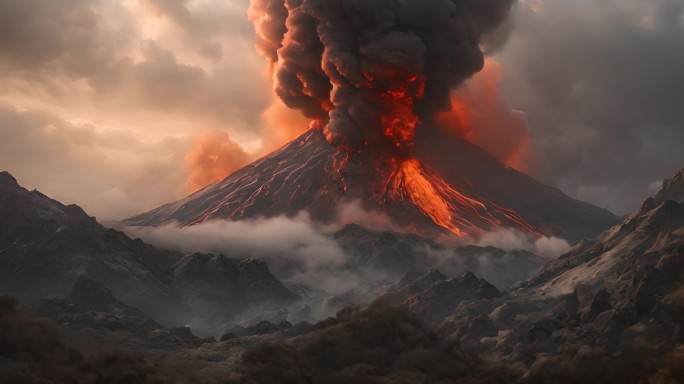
{"x":444,"y":296}
{"x":88,"y":294}
{"x":304,"y":314}
{"x":302,"y":327}
{"x":599,"y":304}
{"x":185,"y":334}
{"x":46,"y":245}
{"x":543,"y":328}
{"x":166,"y":337}
{"x":90,"y":304}
{"x":672,"y":189}
{"x":263,"y":328}
{"x":505,"y":313}
{"x":482,"y":326}
{"x":413,"y":283}
{"x":229,"y":285}
{"x":228,"y":336}
{"x":569,"y":303}
{"x":239,"y":330}
{"x":644,"y":296}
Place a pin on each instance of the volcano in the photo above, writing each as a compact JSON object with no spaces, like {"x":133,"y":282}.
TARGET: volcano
{"x":450,"y":187}
{"x":373,"y":77}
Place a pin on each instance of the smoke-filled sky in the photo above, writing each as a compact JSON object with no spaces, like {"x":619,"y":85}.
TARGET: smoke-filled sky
{"x":120,"y":106}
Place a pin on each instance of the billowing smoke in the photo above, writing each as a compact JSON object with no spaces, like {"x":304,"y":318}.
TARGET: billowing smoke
{"x":214,"y":156}
{"x":371,"y":72}
{"x":481,"y":116}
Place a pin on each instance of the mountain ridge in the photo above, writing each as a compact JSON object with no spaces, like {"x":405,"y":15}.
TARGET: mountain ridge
{"x":45,"y":246}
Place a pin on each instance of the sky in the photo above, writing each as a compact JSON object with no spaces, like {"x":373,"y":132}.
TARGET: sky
{"x":121,"y":106}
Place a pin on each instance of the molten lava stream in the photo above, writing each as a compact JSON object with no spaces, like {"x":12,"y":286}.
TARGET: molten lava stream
{"x":409,"y":182}
{"x":446,"y":207}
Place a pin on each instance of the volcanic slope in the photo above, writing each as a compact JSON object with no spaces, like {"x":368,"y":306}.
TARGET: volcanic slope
{"x":450,"y":186}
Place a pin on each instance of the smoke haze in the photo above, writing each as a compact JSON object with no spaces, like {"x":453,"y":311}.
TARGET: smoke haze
{"x":304,"y":253}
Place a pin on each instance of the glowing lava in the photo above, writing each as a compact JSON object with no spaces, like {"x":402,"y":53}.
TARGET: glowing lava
{"x":397,"y":91}
{"x":445,"y":206}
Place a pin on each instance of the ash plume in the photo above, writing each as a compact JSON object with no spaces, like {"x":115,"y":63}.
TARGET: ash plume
{"x":372,"y":71}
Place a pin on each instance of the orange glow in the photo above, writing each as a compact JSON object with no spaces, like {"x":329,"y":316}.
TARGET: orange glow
{"x":445,"y":206}
{"x":410,"y":180}
{"x":480,"y":116}
{"x":213,"y":157}
{"x":399,"y":89}
{"x":281,"y":125}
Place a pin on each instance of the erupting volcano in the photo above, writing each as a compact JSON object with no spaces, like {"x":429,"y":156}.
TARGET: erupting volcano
{"x":373,"y":75}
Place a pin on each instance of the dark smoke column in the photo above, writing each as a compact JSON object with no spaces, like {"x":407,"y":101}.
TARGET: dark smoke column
{"x":370,"y":71}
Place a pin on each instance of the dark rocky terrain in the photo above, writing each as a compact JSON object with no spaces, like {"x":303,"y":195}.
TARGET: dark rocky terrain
{"x":605,"y":302}
{"x":45,"y":246}
{"x":610,"y":310}
{"x":396,"y":253}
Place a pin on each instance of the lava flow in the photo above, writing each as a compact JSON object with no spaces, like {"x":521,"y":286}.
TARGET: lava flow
{"x":445,"y":206}
{"x":448,"y":208}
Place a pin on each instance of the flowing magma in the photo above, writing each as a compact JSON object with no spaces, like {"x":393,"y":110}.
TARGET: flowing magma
{"x":448,"y":208}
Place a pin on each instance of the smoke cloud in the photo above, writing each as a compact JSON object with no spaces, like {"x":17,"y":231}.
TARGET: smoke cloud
{"x":510,"y":240}
{"x":306,"y":254}
{"x":371,"y":70}
{"x":298,"y":251}
{"x":481,"y":116}
{"x":214,"y":157}
{"x":601,"y":85}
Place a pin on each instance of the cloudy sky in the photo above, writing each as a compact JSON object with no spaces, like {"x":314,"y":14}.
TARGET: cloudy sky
{"x":120,"y":106}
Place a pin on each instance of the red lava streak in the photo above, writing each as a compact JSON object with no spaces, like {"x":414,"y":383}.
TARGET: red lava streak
{"x":445,"y":206}
{"x":398,"y":90}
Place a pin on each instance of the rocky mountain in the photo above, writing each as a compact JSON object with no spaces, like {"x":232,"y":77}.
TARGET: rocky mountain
{"x":398,"y":253}
{"x":214,"y":284}
{"x":46,"y":246}
{"x":604,"y":300}
{"x":432,"y":296}
{"x":639,"y":260}
{"x":610,"y":310}
{"x":672,"y":189}
{"x":450,"y":185}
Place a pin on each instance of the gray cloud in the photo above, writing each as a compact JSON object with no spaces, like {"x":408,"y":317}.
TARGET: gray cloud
{"x":306,"y":254}
{"x":75,"y":37}
{"x":132,"y":60}
{"x":602,"y":86}
{"x":298,"y":251}
{"x":112,"y":174}
{"x":102,"y":100}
